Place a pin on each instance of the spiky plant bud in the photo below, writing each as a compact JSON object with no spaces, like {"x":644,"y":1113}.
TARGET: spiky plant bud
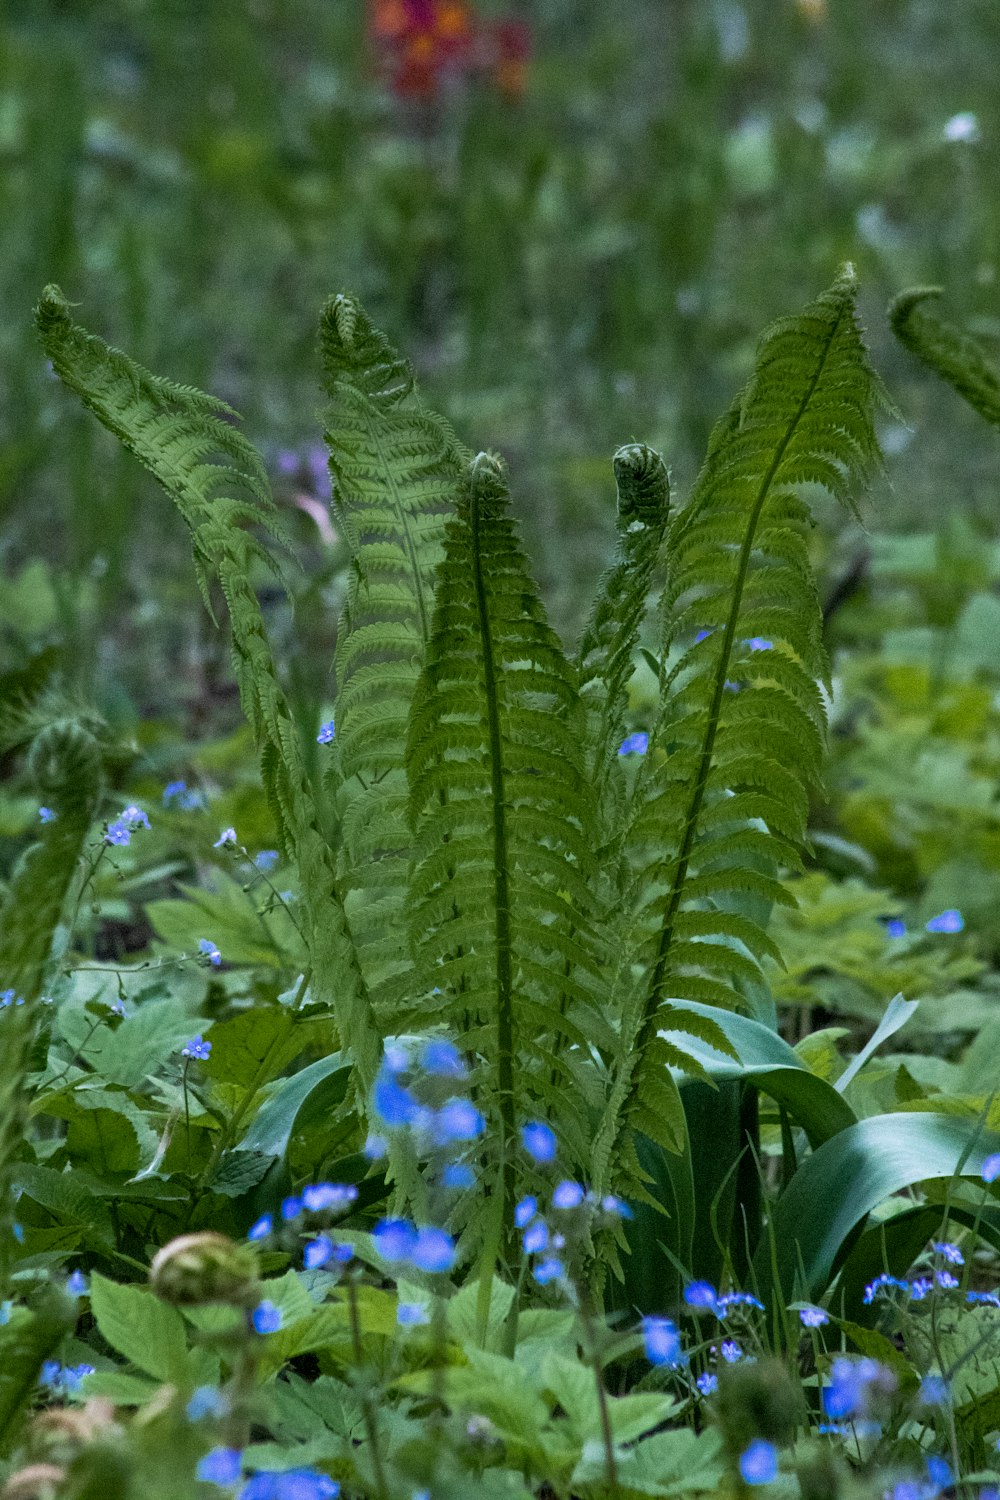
{"x":36,"y":1482}
{"x":59,"y":1433}
{"x":757,"y":1399}
{"x":205,"y":1267}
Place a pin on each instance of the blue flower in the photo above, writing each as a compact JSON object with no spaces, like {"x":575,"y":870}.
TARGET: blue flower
{"x":920,"y":1287}
{"x":46,"y":815}
{"x":991,"y":1167}
{"x":946,"y":1280}
{"x":895,"y":927}
{"x":457,"y":1120}
{"x":708,"y":1383}
{"x":991,"y":1297}
{"x":634,"y":744}
{"x":434,"y":1250}
{"x":290,"y":1484}
{"x":702,"y":635}
{"x":76,"y":1284}
{"x":951,"y":1253}
{"x":393,"y":1104}
{"x":758,"y":643}
{"x":539,"y":1141}
{"x":207,"y":1401}
{"x":266,"y":860}
{"x":946,"y":921}
{"x":329,"y":1197}
{"x":701,"y":1294}
{"x":227,"y":839}
{"x":211,"y":952}
{"x":882,"y":1284}
{"x":409,"y":1314}
{"x":118,"y":834}
{"x":731,"y":1351}
{"x":617,"y":1207}
{"x":458,"y":1175}
{"x":759,"y":1462}
{"x":934,"y":1391}
{"x":63,"y":1377}
{"x":317,"y":1253}
{"x":266,"y":1317}
{"x":739,"y":1299}
{"x":11,"y":997}
{"x":549,"y":1269}
{"x":536,"y":1237}
{"x":326,"y":733}
{"x":525,"y":1211}
{"x":813,"y":1317}
{"x":662,"y":1341}
{"x":197,"y":1048}
{"x":261,"y":1228}
{"x":133,"y":817}
{"x":394,"y":1238}
{"x":221,"y":1466}
{"x":376,"y":1147}
{"x":443,"y":1059}
{"x":291,"y":1207}
{"x":173,"y":791}
{"x":567,"y":1195}
{"x":939,"y":1471}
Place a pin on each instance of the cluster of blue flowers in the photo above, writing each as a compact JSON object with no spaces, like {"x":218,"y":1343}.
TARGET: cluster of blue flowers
{"x":224,"y":1466}
{"x":937,"y":1278}
{"x":945,"y":921}
{"x":440,"y":1120}
{"x":187,"y":799}
{"x":318,"y":1200}
{"x":858,"y":1390}
{"x":634,"y":744}
{"x":64,"y":1379}
{"x":47,"y":815}
{"x":120,"y":831}
{"x":10,"y":997}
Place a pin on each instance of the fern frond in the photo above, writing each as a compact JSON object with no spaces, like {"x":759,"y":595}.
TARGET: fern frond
{"x":66,"y":765}
{"x":607,"y":647}
{"x":946,"y":350}
{"x":723,"y":796}
{"x":500,"y":907}
{"x":395,"y":472}
{"x":174,"y":431}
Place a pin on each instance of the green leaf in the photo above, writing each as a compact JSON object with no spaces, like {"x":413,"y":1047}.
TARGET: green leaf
{"x":228,"y":916}
{"x":321,"y":1086}
{"x":142,"y":1328}
{"x":947,"y":350}
{"x":851,"y":1174}
{"x":26,"y":1341}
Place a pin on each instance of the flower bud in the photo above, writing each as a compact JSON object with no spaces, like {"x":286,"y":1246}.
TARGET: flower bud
{"x":205,"y":1267}
{"x":757,"y":1399}
{"x":60,"y":1432}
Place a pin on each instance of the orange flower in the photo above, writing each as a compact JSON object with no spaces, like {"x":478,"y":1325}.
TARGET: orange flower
{"x":390,"y":19}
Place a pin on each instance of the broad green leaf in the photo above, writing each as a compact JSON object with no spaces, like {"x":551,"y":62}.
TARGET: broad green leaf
{"x":897,"y":1013}
{"x":853,"y":1172}
{"x":229,"y":917}
{"x":142,"y":1328}
{"x":321,"y":1084}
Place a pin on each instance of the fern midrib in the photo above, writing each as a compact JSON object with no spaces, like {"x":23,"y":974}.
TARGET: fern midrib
{"x":711,"y":729}
{"x":501,"y":887}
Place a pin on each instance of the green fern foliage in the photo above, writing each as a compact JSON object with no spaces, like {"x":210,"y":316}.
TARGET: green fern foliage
{"x":501,"y":904}
{"x":66,"y":765}
{"x":395,"y":474}
{"x":739,"y":737}
{"x":605,"y":659}
{"x":176,"y":432}
{"x":946,"y":350}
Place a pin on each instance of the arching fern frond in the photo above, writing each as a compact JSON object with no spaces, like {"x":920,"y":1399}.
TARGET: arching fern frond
{"x":65,"y":763}
{"x":175,"y":431}
{"x":500,"y":901}
{"x":395,"y":474}
{"x":605,"y":659}
{"x":723,"y":797}
{"x":947,"y":350}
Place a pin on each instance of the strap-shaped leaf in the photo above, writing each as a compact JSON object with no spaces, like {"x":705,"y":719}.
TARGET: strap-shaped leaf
{"x":723,"y":797}
{"x":395,"y":474}
{"x":947,"y":350}
{"x":500,"y":901}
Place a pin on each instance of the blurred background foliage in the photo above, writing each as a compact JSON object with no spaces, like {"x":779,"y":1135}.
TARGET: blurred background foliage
{"x":576,"y":218}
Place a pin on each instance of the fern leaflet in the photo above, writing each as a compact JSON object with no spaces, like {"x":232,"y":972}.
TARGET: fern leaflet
{"x":946,"y":350}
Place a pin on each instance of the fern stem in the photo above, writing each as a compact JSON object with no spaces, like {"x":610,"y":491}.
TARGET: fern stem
{"x":505,"y":1015}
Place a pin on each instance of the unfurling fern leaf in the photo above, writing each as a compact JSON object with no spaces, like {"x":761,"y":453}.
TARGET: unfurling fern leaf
{"x":946,"y":350}
{"x":66,"y":765}
{"x":500,"y":901}
{"x":737,"y":745}
{"x":395,"y":478}
{"x":175,"y":431}
{"x":607,"y":648}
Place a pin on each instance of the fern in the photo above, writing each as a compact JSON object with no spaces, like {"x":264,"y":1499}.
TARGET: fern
{"x":173,"y":430}
{"x":501,"y":896}
{"x":395,"y":477}
{"x":605,"y":659}
{"x":946,"y":350}
{"x":739,"y":736}
{"x":65,"y":764}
